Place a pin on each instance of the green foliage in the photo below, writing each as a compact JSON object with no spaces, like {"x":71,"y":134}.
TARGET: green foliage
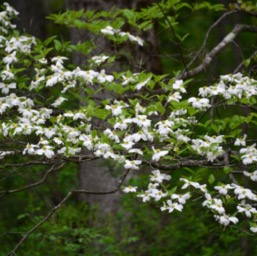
{"x":247,"y":6}
{"x":77,"y":229}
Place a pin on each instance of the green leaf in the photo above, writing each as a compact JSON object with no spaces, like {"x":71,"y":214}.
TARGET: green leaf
{"x":209,"y":6}
{"x":23,"y":216}
{"x":189,"y":170}
{"x":117,"y":88}
{"x":211,"y":179}
{"x":247,"y":62}
{"x":57,"y":45}
{"x":101,"y":113}
{"x":146,"y":25}
{"x":85,"y":47}
{"x":227,"y":170}
{"x":49,"y":40}
{"x":156,"y":107}
{"x":173,"y":190}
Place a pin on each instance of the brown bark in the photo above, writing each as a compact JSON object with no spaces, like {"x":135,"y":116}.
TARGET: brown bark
{"x":32,"y":15}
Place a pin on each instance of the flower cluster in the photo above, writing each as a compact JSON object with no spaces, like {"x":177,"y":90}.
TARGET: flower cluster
{"x":5,"y":19}
{"x":210,"y":147}
{"x":136,"y":120}
{"x":232,"y":86}
{"x":109,"y":30}
{"x":154,"y":191}
{"x":249,"y":154}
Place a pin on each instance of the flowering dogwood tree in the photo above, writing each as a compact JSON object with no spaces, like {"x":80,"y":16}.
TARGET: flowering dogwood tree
{"x":145,"y":122}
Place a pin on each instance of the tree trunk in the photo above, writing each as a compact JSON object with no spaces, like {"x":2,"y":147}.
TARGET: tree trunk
{"x":32,"y":15}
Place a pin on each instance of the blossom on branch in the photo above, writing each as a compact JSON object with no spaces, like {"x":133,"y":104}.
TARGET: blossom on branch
{"x":159,"y":177}
{"x":170,"y":206}
{"x":133,"y":165}
{"x":226,"y":219}
{"x":200,"y":104}
{"x":158,"y":154}
{"x":130,"y":189}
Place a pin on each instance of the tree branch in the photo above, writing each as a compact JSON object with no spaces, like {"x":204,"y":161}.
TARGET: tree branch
{"x":209,"y":56}
{"x":54,"y":209}
{"x":27,"y":234}
{"x":207,"y":37}
{"x":242,"y":63}
{"x":26,"y":164}
{"x":184,"y":163}
{"x":177,"y":42}
{"x":52,"y":169}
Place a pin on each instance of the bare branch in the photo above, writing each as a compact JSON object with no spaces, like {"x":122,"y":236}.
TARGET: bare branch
{"x":26,"y":164}
{"x":184,"y":163}
{"x":242,"y":64}
{"x":209,"y":56}
{"x":52,"y":169}
{"x":27,"y":234}
{"x":177,"y":42}
{"x":207,"y":37}
{"x":54,"y":209}
{"x":80,"y":158}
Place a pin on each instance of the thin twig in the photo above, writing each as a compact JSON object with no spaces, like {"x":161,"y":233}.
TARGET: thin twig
{"x":80,"y":158}
{"x":53,"y":168}
{"x":54,"y":209}
{"x":209,"y":56}
{"x":207,"y":37}
{"x":27,"y":234}
{"x":177,"y":42}
{"x":26,"y":164}
{"x":242,"y":63}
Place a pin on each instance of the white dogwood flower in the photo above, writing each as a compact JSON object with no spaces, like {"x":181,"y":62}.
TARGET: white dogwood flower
{"x":226,"y":219}
{"x":46,"y":150}
{"x":58,"y":102}
{"x":159,"y":177}
{"x":253,"y":176}
{"x":247,"y":209}
{"x":170,"y":206}
{"x":133,"y":165}
{"x":130,"y":189}
{"x":103,"y":77}
{"x":181,"y":198}
{"x":5,"y":87}
{"x":158,"y":154}
{"x":201,"y":104}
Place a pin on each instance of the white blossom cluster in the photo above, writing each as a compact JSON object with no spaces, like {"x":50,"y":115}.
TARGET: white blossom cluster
{"x":177,"y":202}
{"x":5,"y":19}
{"x":109,"y":30}
{"x":232,"y":86}
{"x":154,"y":130}
{"x":209,"y":147}
{"x":249,"y":154}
